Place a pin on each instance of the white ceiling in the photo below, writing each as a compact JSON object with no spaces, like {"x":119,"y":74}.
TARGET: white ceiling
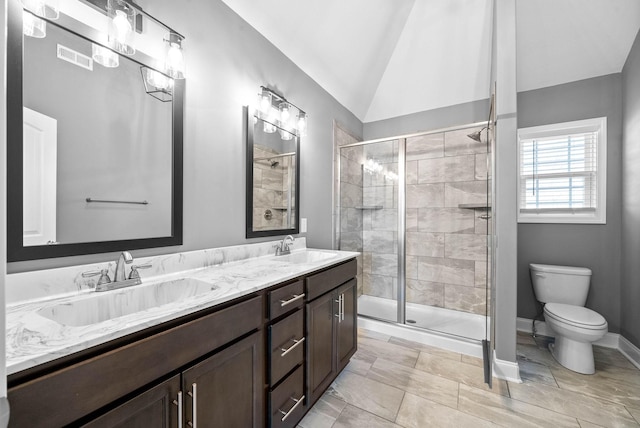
{"x":388,"y":58}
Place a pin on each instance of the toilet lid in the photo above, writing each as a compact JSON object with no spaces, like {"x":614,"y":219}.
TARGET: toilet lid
{"x":575,"y":315}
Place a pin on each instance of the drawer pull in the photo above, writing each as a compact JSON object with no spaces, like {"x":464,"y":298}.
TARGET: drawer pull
{"x":297,"y":403}
{"x":291,"y":348}
{"x":178,"y":403}
{"x":295,"y":297}
{"x":194,"y":397}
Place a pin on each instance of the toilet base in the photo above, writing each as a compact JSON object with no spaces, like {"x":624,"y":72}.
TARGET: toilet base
{"x":574,"y":355}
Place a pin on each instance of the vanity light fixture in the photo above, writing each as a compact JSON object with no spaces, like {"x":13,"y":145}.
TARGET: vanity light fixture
{"x":156,"y":84}
{"x":33,"y":26}
{"x":277,"y":112}
{"x":174,"y":58}
{"x":49,"y":9}
{"x":122,"y":18}
{"x":104,"y":56}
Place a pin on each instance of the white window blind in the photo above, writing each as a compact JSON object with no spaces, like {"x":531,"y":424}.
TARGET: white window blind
{"x":560,"y":177}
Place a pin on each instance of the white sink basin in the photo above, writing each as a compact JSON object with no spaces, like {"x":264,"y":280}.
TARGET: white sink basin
{"x":306,"y":256}
{"x":102,"y":306}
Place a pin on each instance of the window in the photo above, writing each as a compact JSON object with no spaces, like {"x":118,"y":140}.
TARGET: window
{"x":562,"y":172}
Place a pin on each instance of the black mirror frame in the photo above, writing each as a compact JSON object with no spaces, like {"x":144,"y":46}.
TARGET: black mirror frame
{"x":16,"y":251}
{"x":250,"y":233}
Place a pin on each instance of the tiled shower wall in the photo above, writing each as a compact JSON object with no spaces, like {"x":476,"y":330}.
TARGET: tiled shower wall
{"x":271,"y":189}
{"x":445,"y":244}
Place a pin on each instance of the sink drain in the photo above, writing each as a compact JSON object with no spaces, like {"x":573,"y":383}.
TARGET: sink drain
{"x":411,"y":321}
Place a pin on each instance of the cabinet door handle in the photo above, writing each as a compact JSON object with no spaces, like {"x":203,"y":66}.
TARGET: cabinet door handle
{"x":289,"y":349}
{"x":342,"y":307}
{"x":295,"y":297}
{"x":178,"y":403}
{"x":194,"y":398}
{"x":297,"y":403}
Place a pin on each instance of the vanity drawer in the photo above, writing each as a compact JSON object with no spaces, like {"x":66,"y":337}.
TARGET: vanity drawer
{"x":286,"y":339}
{"x":287,"y":401}
{"x":329,"y":279}
{"x":285,"y":299}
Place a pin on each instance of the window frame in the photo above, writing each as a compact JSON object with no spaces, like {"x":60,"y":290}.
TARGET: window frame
{"x":599,"y":216}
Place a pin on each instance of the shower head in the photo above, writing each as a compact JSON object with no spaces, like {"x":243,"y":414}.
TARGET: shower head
{"x":274,"y":163}
{"x":477,"y":135}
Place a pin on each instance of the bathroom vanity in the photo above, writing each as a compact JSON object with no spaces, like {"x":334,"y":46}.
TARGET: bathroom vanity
{"x":271,"y":337}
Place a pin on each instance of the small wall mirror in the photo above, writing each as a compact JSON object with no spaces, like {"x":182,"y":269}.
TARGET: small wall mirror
{"x":273,"y":177}
{"x":94,"y":159}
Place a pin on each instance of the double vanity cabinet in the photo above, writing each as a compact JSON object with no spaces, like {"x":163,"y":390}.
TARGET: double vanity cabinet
{"x":260,"y":360}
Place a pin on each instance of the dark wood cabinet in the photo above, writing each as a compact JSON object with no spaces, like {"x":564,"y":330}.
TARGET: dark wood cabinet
{"x":331,"y":329}
{"x":226,"y":389}
{"x":157,"y":407}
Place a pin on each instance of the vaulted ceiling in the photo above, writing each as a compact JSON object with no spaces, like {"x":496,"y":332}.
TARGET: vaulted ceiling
{"x":388,"y":58}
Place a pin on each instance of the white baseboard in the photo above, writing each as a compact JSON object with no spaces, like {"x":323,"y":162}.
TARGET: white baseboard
{"x":610,"y":340}
{"x":630,"y":351}
{"x":506,"y":370}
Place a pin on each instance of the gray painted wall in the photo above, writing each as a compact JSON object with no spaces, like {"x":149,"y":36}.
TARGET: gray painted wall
{"x":630,"y":289}
{"x":595,"y":246}
{"x":227,"y":61}
{"x":114,"y":142}
{"x":460,"y":114}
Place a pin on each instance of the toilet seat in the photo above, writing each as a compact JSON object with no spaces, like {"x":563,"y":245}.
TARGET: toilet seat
{"x":576,"y":316}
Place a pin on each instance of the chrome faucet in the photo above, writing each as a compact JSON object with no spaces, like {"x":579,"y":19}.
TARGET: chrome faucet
{"x":125,"y":257}
{"x":284,"y":247}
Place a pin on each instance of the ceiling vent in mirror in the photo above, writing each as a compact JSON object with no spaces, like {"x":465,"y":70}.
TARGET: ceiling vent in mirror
{"x":69,"y":55}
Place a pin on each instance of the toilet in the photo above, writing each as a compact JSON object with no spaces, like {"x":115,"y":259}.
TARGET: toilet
{"x":563,"y":291}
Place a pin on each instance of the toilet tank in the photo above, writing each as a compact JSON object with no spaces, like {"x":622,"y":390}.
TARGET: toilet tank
{"x":560,"y":284}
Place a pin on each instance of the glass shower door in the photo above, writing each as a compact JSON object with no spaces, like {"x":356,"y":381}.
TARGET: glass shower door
{"x":369,"y":223}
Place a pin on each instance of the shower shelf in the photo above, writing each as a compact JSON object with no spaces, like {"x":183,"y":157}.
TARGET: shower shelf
{"x":475,"y":206}
{"x":369,"y":207}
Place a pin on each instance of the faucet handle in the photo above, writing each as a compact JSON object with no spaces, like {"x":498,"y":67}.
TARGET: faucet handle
{"x":104,"y":275}
{"x":134,"y":274}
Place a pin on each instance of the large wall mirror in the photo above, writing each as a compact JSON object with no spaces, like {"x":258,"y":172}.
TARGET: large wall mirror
{"x":273,"y":177}
{"x":94,"y":158}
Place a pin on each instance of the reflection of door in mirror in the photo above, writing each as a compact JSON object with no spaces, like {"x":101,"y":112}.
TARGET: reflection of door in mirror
{"x":274,"y":172}
{"x":39,"y":181}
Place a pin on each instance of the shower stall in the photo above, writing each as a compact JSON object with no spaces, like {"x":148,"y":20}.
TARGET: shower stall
{"x":418,"y":208}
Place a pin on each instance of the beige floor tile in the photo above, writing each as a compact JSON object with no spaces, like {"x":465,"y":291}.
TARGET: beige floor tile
{"x":421,"y":347}
{"x":524,"y":339}
{"x":536,"y":372}
{"x":324,"y":413}
{"x":362,"y":332}
{"x":572,"y":403}
{"x":370,"y":395}
{"x":618,"y":391}
{"x":508,"y":412}
{"x":537,"y":355}
{"x":417,"y":412}
{"x":585,"y":424}
{"x":611,"y":357}
{"x":417,"y":382}
{"x":460,"y":372}
{"x":474,"y":361}
{"x":354,"y":417}
{"x":388,"y":351}
{"x":635,"y":413}
{"x":358,"y":366}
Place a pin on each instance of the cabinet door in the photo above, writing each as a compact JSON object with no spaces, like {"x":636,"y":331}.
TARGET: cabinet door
{"x":153,"y":408}
{"x":227,"y":389}
{"x":321,"y":361}
{"x":346,"y":323}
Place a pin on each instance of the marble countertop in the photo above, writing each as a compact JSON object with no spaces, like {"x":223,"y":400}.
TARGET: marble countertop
{"x":33,"y":339}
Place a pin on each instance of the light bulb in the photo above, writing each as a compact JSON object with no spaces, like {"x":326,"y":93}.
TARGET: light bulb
{"x":265,"y":102}
{"x":174,"y":59}
{"x":122,"y":26}
{"x":285,"y":114}
{"x":285,"y":135}
{"x":159,"y":80}
{"x":302,"y":124}
{"x":268,"y":128}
